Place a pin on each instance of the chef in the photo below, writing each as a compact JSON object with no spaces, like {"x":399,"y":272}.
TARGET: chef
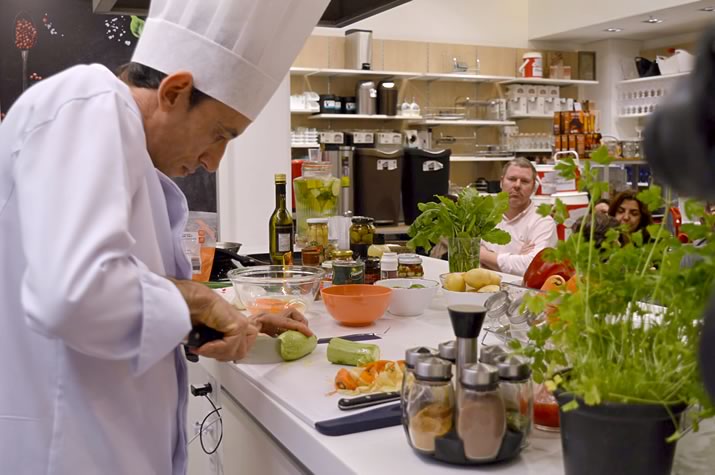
{"x":94,"y":300}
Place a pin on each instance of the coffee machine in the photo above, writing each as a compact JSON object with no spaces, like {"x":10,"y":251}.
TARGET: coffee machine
{"x":340,"y":155}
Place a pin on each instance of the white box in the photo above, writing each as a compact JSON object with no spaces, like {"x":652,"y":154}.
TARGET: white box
{"x":516,"y":106}
{"x":542,"y":91}
{"x":535,"y":106}
{"x":514,"y":91}
{"x":551,"y":105}
{"x":554,"y":91}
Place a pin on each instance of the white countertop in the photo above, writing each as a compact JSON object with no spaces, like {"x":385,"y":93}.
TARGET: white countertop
{"x":272,"y":394}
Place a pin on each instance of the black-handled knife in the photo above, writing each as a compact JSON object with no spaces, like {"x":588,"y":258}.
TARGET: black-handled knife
{"x":386,"y":416}
{"x":199,"y":335}
{"x":353,"y":337}
{"x":347,"y":404}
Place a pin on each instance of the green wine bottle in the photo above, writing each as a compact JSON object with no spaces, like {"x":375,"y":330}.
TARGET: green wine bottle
{"x":280,"y":227}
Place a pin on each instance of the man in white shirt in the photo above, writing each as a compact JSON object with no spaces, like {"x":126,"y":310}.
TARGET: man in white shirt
{"x":530,"y":232}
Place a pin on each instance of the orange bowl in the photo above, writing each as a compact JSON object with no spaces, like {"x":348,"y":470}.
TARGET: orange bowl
{"x":356,"y":305}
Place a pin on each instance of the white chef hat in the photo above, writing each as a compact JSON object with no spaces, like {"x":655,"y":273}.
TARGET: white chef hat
{"x":237,"y":50}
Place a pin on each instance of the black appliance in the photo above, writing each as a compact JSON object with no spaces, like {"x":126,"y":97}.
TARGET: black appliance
{"x":425,"y":174}
{"x":378,"y":176}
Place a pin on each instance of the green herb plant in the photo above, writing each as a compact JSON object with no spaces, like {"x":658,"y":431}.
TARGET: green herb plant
{"x":630,"y":332}
{"x":471,"y":216}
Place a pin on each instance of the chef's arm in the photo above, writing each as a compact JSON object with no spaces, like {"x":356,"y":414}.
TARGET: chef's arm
{"x":77,"y":175}
{"x":542,"y":235}
{"x":488,"y":258}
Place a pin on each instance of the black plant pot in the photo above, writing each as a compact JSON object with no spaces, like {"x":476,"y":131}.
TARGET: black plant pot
{"x":617,"y":439}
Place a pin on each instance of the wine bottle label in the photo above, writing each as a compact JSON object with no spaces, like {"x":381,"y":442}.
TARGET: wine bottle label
{"x":284,"y":242}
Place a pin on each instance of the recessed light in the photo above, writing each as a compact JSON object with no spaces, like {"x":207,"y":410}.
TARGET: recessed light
{"x":708,"y":9}
{"x":652,"y":20}
{"x":613,"y":30}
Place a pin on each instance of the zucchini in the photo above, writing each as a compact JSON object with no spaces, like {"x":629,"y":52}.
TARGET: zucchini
{"x":294,"y":345}
{"x":352,"y":353}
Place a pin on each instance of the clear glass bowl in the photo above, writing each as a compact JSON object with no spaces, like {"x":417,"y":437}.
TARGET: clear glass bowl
{"x":272,"y":289}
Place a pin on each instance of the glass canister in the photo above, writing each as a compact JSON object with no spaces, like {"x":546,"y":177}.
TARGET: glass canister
{"x":316,"y":196}
{"x":311,"y":255}
{"x":388,"y":265}
{"x":517,"y":392}
{"x":409,"y":265}
{"x":412,"y":356}
{"x":497,"y":306}
{"x":348,"y":272}
{"x":429,"y":407}
{"x":318,"y":232}
{"x":481,"y":416}
{"x":372,"y":270}
{"x":362,"y":235}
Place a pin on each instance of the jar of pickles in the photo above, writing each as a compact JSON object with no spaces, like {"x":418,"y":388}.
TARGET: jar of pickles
{"x":317,"y":232}
{"x":362,"y":235}
{"x":316,"y":196}
{"x":342,"y":255}
{"x":372,"y":270}
{"x":409,"y":265}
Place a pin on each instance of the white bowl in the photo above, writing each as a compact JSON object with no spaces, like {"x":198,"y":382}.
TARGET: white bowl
{"x":466,"y":298}
{"x":406,"y":302}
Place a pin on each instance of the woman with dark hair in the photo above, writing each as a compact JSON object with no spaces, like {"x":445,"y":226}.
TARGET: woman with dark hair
{"x":631,"y":212}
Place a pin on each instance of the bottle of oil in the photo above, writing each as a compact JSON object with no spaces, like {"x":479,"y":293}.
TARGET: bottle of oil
{"x":280,"y":227}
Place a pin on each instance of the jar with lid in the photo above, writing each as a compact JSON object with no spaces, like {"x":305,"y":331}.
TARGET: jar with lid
{"x":316,"y":196}
{"x":388,"y":266}
{"x":372,"y":270}
{"x":317,"y":232}
{"x":412,"y":356}
{"x":342,"y":255}
{"x":311,"y":255}
{"x":481,"y":416}
{"x":362,"y":235}
{"x":409,"y":265}
{"x":429,"y":407}
{"x":448,"y":351}
{"x":517,"y":392}
{"x":348,"y":272}
{"x":497,"y":307}
{"x":490,"y":354}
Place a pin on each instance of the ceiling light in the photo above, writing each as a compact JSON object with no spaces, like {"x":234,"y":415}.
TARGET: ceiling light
{"x":652,"y":20}
{"x":708,"y":9}
{"x":613,"y":30}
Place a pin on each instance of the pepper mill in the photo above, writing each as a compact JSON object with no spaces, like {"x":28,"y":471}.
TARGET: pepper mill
{"x":467,"y":322}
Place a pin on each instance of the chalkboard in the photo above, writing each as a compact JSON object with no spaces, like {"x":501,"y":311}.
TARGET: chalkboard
{"x":67,"y":33}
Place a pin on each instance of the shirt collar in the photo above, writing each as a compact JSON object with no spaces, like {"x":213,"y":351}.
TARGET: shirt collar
{"x":526,"y":211}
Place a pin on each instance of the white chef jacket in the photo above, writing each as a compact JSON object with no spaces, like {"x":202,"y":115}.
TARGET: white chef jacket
{"x":527,"y":227}
{"x":93,"y":380}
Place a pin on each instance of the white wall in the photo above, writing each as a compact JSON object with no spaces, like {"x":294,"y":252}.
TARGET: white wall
{"x":549,"y":17}
{"x":245,"y":178}
{"x":482,"y":22}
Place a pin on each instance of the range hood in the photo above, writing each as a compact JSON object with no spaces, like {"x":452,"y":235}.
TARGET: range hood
{"x":339,"y":13}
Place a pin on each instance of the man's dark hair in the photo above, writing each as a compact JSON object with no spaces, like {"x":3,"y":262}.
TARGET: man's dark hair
{"x":138,"y":75}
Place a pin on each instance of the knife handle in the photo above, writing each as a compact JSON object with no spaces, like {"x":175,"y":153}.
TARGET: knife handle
{"x":347,"y":404}
{"x":201,"y":334}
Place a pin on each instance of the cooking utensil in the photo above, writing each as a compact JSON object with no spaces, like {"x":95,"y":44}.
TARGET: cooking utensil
{"x":351,"y":337}
{"x":347,"y":404}
{"x":386,"y":416}
{"x":199,"y":335}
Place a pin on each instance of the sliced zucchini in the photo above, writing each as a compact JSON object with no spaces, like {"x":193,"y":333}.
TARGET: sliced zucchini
{"x":352,"y":353}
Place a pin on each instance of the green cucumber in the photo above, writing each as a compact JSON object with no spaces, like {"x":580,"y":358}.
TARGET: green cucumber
{"x":352,"y":353}
{"x":294,"y":345}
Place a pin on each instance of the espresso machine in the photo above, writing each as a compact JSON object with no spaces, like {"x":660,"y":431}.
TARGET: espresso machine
{"x":340,"y":155}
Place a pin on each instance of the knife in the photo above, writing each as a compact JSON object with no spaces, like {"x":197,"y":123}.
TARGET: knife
{"x":199,"y":335}
{"x":377,"y":418}
{"x":347,"y":404}
{"x":353,"y":337}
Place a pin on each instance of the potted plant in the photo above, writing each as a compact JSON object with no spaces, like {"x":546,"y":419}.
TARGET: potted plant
{"x":628,"y":334}
{"x":463,"y":223}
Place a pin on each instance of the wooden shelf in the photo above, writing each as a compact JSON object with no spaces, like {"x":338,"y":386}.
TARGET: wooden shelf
{"x":654,"y":78}
{"x":477,"y":123}
{"x":550,"y":82}
{"x":362,"y":116}
{"x":465,"y":158}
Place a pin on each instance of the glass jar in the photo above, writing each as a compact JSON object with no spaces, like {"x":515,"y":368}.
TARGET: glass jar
{"x":409,"y":265}
{"x":481,"y":416}
{"x":327,"y":280}
{"x":318,"y":232}
{"x":497,"y":306}
{"x":429,"y":407}
{"x":311,"y":255}
{"x":342,"y":255}
{"x":372,"y":270}
{"x":316,"y":196}
{"x":412,"y":356}
{"x":362,"y":235}
{"x":546,"y":410}
{"x":518,"y":394}
{"x":388,"y":266}
{"x":348,"y":272}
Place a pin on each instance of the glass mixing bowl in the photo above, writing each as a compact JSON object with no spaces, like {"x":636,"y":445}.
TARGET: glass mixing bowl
{"x":272,"y":289}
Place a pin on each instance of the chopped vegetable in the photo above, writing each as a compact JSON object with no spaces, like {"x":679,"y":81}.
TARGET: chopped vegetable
{"x":344,"y":380}
{"x":352,"y":353}
{"x":294,"y":345}
{"x":378,"y":376}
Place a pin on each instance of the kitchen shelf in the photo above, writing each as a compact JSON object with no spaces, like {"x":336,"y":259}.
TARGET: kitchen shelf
{"x":478,"y":123}
{"x":461,"y":77}
{"x":550,"y":82}
{"x":534,"y":150}
{"x":530,"y":116}
{"x":362,"y":116}
{"x":303,"y":111}
{"x":654,"y":78}
{"x":465,"y":158}
{"x":305,"y":145}
{"x":456,"y":77}
{"x":618,"y":162}
{"x":635,"y":116}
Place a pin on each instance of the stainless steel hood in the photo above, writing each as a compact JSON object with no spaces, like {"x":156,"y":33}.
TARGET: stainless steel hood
{"x":339,"y":13}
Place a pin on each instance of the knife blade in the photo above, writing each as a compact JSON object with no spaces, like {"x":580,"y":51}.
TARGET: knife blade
{"x":353,"y":337}
{"x":347,"y":404}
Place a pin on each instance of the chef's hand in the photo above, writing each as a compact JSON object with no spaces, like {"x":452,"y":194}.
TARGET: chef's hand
{"x":273,"y":324}
{"x":210,"y":309}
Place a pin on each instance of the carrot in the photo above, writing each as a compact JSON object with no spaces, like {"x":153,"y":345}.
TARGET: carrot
{"x":345,"y":380}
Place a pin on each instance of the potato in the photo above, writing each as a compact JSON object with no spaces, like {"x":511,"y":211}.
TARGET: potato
{"x":478,"y":278}
{"x":455,"y":283}
{"x":489,"y":288}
